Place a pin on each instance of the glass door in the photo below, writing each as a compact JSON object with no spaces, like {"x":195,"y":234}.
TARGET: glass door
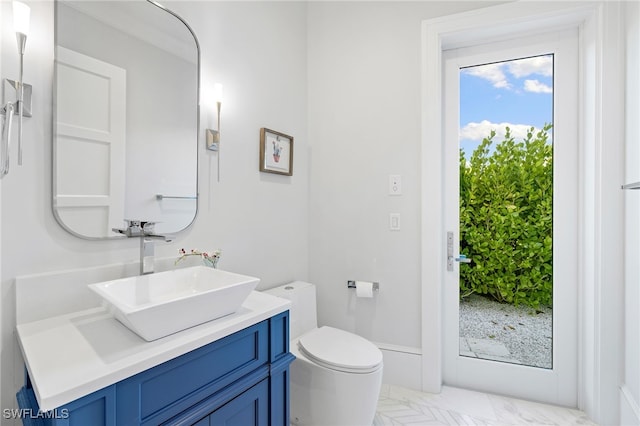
{"x":510,"y":218}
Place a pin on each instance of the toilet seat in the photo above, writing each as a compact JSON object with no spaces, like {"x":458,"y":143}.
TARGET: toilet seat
{"x":340,"y":350}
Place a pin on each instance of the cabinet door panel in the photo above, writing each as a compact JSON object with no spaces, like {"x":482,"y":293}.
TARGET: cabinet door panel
{"x":95,"y":409}
{"x":160,"y":393}
{"x":279,"y":390}
{"x":279,"y":336}
{"x":251,"y":408}
{"x":203,"y":422}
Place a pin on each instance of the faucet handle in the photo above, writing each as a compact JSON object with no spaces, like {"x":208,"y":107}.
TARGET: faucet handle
{"x":147,"y":227}
{"x":139,"y":228}
{"x":148,"y":232}
{"x":134,"y":227}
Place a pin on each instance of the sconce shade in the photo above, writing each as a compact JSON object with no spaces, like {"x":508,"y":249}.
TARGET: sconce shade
{"x":21,"y":14}
{"x":217,"y":93}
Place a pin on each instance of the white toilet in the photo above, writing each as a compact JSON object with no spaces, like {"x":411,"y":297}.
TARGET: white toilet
{"x":337,"y":375}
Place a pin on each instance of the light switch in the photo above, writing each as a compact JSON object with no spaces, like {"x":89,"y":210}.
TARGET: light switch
{"x":394,"y":221}
{"x":395,"y":185}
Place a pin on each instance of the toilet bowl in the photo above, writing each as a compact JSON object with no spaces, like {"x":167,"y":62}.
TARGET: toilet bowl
{"x":336,"y":377}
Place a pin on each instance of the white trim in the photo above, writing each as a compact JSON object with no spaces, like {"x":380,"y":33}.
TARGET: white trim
{"x":524,"y":18}
{"x":600,"y":266}
{"x":431,"y":217}
{"x":629,"y":409}
{"x":400,"y":365}
{"x":607,"y":127}
{"x":586,"y":250}
{"x":398,"y":348}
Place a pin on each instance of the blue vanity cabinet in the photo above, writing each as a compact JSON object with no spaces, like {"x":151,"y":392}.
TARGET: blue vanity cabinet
{"x":279,"y":358}
{"x":96,"y":409}
{"x":241,"y":379}
{"x":250,"y":408}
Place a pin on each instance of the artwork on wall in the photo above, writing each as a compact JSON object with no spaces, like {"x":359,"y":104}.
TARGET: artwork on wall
{"x":276,"y":152}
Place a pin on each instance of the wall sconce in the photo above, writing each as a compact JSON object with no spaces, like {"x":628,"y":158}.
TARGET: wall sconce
{"x":213,"y":136}
{"x":22,"y":104}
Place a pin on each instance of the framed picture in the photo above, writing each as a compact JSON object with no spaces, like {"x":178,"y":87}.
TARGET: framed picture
{"x":276,"y":152}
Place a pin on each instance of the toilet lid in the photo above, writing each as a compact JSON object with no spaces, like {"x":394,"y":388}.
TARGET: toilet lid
{"x":340,"y":350}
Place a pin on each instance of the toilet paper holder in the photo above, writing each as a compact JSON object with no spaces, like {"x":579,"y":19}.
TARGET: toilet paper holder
{"x":352,"y":284}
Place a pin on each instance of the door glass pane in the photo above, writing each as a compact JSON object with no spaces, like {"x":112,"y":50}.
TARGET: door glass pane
{"x":506,"y":211}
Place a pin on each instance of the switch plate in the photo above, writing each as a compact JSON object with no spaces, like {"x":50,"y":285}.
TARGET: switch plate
{"x":395,"y":185}
{"x":394,"y":221}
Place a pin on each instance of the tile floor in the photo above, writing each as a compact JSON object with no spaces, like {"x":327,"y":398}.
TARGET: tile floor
{"x":453,"y":406}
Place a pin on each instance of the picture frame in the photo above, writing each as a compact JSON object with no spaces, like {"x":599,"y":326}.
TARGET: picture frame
{"x":276,"y":152}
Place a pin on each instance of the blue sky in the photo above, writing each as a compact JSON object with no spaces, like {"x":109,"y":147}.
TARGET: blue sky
{"x":515,"y":93}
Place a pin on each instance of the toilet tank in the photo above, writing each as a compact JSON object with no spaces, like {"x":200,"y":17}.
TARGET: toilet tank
{"x":302,"y":314}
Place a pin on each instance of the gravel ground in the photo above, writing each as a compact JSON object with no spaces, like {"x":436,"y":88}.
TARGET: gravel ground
{"x":525,"y":331}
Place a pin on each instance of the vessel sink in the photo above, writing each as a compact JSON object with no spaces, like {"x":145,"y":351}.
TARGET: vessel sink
{"x":156,"y":305}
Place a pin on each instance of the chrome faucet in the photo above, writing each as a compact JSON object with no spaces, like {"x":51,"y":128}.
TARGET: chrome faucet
{"x":145,"y":231}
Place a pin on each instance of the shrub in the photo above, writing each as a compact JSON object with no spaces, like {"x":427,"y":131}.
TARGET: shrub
{"x":506,"y":219}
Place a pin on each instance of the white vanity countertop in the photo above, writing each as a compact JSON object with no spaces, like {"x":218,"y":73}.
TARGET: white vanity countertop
{"x":73,"y":355}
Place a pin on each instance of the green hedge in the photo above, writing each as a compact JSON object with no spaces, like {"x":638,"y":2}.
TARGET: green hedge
{"x":506,"y":219}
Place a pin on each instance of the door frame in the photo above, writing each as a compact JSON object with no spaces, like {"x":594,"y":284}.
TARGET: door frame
{"x":601,"y":125}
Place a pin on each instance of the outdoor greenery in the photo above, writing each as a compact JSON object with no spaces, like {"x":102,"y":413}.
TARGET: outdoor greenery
{"x":506,"y":219}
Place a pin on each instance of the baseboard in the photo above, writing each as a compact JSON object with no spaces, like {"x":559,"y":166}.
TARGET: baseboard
{"x":629,"y":408}
{"x":402,"y":365}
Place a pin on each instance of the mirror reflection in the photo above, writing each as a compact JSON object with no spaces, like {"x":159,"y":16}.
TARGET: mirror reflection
{"x":125,"y":117}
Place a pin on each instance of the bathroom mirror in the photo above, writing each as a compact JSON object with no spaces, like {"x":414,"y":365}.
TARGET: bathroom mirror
{"x":125,"y":117}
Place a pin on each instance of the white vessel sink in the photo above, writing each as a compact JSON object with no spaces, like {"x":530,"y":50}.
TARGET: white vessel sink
{"x":156,"y":305}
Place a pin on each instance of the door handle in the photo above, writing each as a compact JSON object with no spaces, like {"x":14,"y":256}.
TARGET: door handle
{"x":461,"y":259}
{"x":450,"y":259}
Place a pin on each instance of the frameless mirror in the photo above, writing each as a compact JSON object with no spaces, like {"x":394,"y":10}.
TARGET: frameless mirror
{"x":125,"y":115}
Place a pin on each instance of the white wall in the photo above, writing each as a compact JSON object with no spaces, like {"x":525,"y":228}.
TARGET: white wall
{"x":364,"y":124}
{"x":630,"y":397}
{"x":258,"y":51}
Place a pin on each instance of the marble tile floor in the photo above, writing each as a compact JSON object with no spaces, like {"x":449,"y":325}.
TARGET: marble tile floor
{"x":453,"y":406}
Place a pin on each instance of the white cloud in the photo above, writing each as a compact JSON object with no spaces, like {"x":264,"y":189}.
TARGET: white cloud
{"x":542,"y":65}
{"x":496,"y":73}
{"x":492,"y":72}
{"x":478,"y":131}
{"x":536,"y":86}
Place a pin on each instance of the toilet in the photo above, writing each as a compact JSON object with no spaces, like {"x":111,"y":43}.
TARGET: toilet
{"x":336,"y":377}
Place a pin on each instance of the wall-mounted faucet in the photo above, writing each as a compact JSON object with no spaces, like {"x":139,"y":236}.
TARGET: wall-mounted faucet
{"x":145,"y":231}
